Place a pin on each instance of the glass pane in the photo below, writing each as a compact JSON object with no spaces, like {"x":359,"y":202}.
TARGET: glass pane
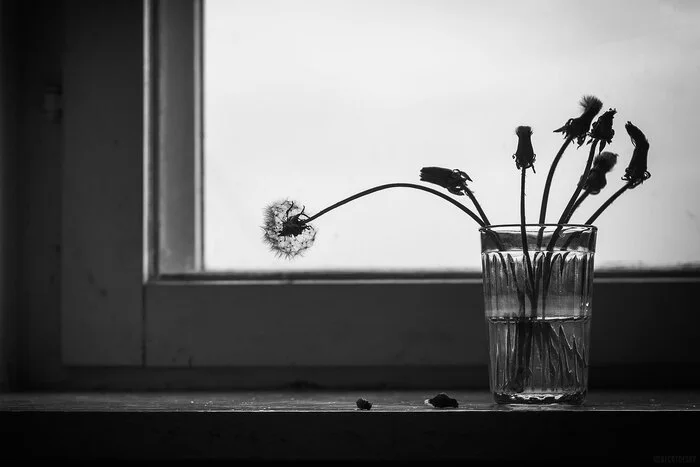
{"x":315,"y":100}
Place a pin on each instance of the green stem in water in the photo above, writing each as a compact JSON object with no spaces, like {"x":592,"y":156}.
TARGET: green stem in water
{"x":566,"y":215}
{"x":397,"y":185}
{"x":523,"y":236}
{"x":605,"y":205}
{"x":550,"y":176}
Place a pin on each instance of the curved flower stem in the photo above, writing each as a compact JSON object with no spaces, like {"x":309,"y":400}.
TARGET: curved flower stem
{"x":580,"y":200}
{"x":610,"y":200}
{"x":595,"y":216}
{"x":524,"y":330}
{"x":548,"y":186}
{"x":550,"y":176}
{"x":566,"y":215}
{"x":576,"y":235}
{"x":478,"y":207}
{"x":523,"y":236}
{"x":396,"y":185}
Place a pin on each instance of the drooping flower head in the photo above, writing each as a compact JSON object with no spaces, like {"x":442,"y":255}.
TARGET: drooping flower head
{"x":578,"y":127}
{"x":602,"y":129}
{"x":286,"y":230}
{"x":453,"y":179}
{"x":524,"y":156}
{"x":602,"y":164}
{"x":636,"y":172}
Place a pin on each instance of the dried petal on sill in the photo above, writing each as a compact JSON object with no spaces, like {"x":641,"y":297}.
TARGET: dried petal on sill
{"x":363,"y":404}
{"x":442,"y":401}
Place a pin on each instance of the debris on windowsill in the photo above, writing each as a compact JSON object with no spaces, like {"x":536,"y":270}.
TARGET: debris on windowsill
{"x":363,"y":404}
{"x":442,"y":401}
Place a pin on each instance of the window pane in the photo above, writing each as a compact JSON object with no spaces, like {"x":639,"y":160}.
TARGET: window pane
{"x":315,"y":100}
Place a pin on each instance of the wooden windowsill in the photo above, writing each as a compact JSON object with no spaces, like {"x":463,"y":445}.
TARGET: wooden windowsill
{"x":317,"y":425}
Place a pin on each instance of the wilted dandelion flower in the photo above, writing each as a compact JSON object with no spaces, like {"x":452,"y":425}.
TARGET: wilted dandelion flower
{"x":602,"y":164}
{"x":636,"y":172}
{"x":524,"y":156}
{"x":602,"y":129}
{"x":578,"y":127}
{"x":453,"y":179}
{"x":285,"y":229}
{"x":605,"y":161}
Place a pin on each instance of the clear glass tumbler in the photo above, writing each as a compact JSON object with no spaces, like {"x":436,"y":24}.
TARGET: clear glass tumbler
{"x":538,"y":304}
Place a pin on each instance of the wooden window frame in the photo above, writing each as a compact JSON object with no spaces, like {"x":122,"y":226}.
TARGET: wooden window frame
{"x":133,"y":293}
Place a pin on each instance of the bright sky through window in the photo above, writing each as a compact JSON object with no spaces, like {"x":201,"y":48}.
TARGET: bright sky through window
{"x":314,"y":100}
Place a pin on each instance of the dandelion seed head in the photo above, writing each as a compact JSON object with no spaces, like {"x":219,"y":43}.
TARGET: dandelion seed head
{"x":605,"y":161}
{"x":286,"y":229}
{"x":590,"y":104}
{"x":577,"y":128}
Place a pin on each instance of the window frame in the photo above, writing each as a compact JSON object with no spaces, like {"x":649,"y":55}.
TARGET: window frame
{"x":121,"y":307}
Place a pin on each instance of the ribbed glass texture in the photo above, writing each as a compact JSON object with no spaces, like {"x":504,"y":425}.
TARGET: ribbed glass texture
{"x":538,"y":314}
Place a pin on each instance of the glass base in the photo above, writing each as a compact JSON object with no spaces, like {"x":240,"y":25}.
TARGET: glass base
{"x":533,"y":398}
{"x":538,"y":361}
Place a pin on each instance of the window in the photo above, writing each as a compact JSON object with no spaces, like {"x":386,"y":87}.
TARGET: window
{"x":176,"y":313}
{"x":319,"y":99}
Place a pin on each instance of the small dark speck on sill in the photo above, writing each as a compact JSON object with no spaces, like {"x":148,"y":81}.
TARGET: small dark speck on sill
{"x":442,"y":401}
{"x":363,"y":404}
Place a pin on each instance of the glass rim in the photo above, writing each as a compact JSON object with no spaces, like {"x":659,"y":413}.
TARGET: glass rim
{"x":496,"y":226}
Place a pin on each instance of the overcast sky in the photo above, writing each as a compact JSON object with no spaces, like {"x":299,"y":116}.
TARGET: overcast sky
{"x":318,"y":99}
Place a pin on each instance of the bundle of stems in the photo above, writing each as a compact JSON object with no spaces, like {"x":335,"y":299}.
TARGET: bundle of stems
{"x":289,"y":233}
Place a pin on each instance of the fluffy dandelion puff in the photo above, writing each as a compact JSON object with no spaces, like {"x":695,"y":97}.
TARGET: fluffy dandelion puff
{"x":286,"y":229}
{"x":605,"y":161}
{"x":590,"y":105}
{"x":577,"y":128}
{"x":602,"y":164}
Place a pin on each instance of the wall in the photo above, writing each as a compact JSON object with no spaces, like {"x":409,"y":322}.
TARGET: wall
{"x":30,"y":159}
{"x":8,"y":149}
{"x":40,"y":27}
{"x":31,"y":153}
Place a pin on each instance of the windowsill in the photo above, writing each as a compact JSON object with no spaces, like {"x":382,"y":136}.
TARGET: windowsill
{"x":327,"y":425}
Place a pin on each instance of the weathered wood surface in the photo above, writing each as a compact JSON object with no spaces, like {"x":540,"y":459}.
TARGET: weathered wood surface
{"x":325,"y":401}
{"x":313,"y":425}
